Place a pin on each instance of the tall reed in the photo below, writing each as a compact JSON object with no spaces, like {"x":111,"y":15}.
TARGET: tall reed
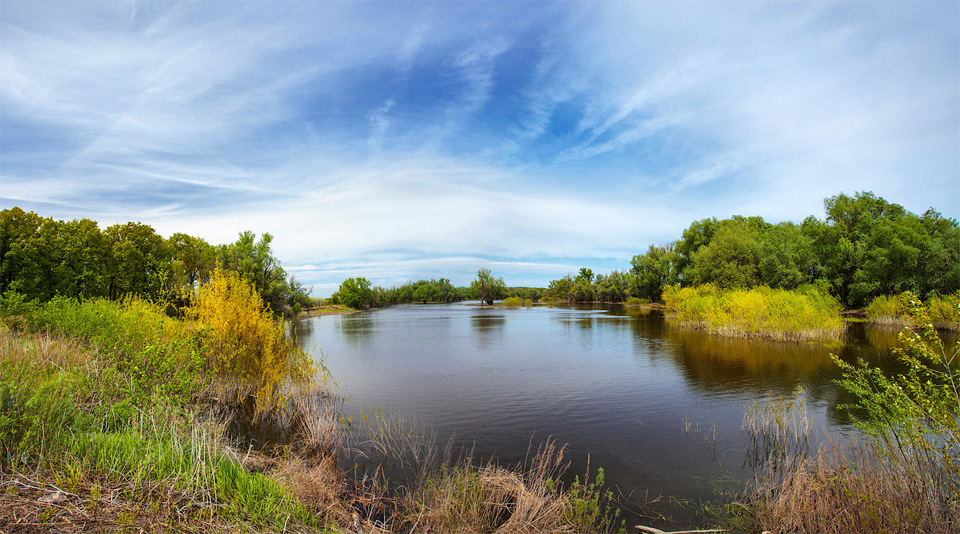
{"x":801,"y":315}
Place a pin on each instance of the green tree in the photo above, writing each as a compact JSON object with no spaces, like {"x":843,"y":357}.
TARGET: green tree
{"x":355,"y":293}
{"x":654,"y":270}
{"x":192,"y":260}
{"x":786,"y":257}
{"x":697,"y":235}
{"x":487,"y":288}
{"x":140,"y":263}
{"x":869,"y":247}
{"x":614,"y":287}
{"x":560,"y":288}
{"x":253,"y":260}
{"x":732,"y":258}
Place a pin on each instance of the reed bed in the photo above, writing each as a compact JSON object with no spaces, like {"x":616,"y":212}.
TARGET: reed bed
{"x":895,"y":311}
{"x":852,"y":488}
{"x":805,"y":314}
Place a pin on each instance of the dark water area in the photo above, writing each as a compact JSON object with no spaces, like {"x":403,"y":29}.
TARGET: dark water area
{"x":658,"y":407}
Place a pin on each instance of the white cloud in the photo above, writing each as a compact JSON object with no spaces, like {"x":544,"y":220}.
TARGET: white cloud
{"x":428,"y":133}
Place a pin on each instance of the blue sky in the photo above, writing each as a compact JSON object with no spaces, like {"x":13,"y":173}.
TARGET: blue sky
{"x":400,"y":141}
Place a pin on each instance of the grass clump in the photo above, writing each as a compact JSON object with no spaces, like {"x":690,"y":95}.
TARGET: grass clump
{"x":800,"y":315}
{"x":512,"y":302}
{"x":636,"y":302}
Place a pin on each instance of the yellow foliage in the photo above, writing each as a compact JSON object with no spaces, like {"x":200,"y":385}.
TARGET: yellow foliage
{"x":757,"y":312}
{"x":247,"y":344}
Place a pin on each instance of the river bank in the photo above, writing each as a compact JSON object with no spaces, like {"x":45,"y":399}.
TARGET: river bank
{"x":115,"y":414}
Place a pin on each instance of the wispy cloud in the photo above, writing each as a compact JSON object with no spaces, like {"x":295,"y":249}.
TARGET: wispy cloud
{"x":385,"y":138}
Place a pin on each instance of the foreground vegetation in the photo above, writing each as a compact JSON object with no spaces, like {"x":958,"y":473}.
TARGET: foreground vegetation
{"x":904,"y":477}
{"x":116,"y":416}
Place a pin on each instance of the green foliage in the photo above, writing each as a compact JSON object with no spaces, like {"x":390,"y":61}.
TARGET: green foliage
{"x":253,"y":260}
{"x":732,"y":257}
{"x":81,"y":410}
{"x":898,"y":310}
{"x":487,"y":288}
{"x":636,"y":301}
{"x":798,"y":315}
{"x":512,"y":302}
{"x":653,"y":271}
{"x":786,"y":257}
{"x":866,"y":247}
{"x":944,"y":310}
{"x":354,"y":293}
{"x":560,"y":289}
{"x":160,"y":357}
{"x":42,"y":258}
{"x":613,"y":287}
{"x":914,"y":416}
{"x":588,"y":505}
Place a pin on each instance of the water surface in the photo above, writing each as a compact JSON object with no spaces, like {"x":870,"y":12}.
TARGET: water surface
{"x":658,"y":407}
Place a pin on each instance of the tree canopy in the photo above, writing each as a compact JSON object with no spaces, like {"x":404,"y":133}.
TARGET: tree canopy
{"x":41,"y":258}
{"x":865,"y":247}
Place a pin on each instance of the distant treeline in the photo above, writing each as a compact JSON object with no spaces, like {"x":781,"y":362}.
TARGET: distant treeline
{"x":357,"y":293}
{"x":41,"y":258}
{"x":865,"y":247}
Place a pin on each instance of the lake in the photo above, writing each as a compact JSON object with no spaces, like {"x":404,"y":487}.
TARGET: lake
{"x":658,"y":407}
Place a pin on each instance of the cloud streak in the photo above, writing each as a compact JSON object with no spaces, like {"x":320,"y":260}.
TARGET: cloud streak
{"x":384,"y":138}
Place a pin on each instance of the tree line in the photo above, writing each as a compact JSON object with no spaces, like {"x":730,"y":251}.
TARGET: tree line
{"x":865,"y":247}
{"x":41,"y":258}
{"x":358,"y":293}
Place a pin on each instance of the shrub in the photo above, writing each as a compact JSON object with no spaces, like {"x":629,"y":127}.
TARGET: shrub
{"x":636,"y":301}
{"x":512,"y":302}
{"x":248,"y":347}
{"x":891,"y":310}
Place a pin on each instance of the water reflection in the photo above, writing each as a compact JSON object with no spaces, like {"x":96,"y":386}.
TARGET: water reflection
{"x":717,"y":364}
{"x":300,"y":332}
{"x":358,"y":328}
{"x":488,"y":327}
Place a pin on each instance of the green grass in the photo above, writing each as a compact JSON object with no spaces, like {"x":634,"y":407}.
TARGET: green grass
{"x":804,"y":314}
{"x":102,"y":392}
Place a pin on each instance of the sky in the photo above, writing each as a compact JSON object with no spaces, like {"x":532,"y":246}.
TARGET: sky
{"x":403,"y":141}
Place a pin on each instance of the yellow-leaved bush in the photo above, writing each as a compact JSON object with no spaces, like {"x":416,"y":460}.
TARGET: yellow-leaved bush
{"x":248,"y":346}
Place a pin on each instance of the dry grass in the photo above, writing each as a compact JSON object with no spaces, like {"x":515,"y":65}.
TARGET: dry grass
{"x":852,"y":488}
{"x":489,"y":498}
{"x":33,"y":505}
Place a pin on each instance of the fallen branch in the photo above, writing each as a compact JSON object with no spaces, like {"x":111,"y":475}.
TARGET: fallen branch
{"x":652,"y":530}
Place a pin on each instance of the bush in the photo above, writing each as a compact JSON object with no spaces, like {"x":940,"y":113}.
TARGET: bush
{"x":512,"y":302}
{"x":248,"y":347}
{"x":636,"y":301}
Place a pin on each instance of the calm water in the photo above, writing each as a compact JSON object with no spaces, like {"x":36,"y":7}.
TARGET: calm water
{"x":658,"y":407}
